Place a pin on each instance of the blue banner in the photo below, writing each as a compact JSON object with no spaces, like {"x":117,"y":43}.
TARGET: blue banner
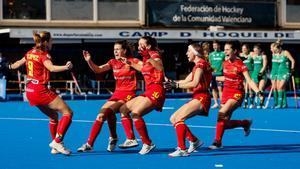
{"x":203,"y":14}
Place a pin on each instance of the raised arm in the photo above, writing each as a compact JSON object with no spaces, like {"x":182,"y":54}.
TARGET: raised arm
{"x":95,"y":68}
{"x":157,"y":63}
{"x":17,"y":64}
{"x":55,"y":68}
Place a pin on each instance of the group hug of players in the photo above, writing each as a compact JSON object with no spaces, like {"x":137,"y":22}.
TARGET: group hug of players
{"x":224,"y":69}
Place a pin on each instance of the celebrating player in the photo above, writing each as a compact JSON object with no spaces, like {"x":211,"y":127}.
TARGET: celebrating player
{"x":234,"y":72}
{"x":153,"y":97}
{"x":198,"y":80}
{"x":125,"y":77}
{"x":39,"y":65}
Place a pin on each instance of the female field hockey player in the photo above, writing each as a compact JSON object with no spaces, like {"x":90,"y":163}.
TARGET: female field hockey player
{"x":285,"y":70}
{"x":39,"y":65}
{"x":234,"y":71}
{"x":248,"y":61}
{"x":153,"y":98}
{"x":274,"y":74}
{"x":125,"y":77}
{"x":259,"y":75}
{"x":198,"y":80}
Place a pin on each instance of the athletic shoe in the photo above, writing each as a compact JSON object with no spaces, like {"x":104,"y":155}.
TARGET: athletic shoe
{"x":112,"y":142}
{"x":129,"y":143}
{"x":147,"y":148}
{"x":179,"y":153}
{"x":215,"y":106}
{"x":59,"y":147}
{"x":247,"y":128}
{"x":215,"y":145}
{"x":277,"y":107}
{"x":85,"y":148}
{"x":258,"y":107}
{"x":194,"y":145}
{"x":251,"y":106}
{"x":54,"y":151}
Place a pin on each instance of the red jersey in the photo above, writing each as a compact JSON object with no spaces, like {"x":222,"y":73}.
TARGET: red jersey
{"x":124,"y":75}
{"x":204,"y":82}
{"x":35,"y":66}
{"x":233,"y":73}
{"x":152,"y":75}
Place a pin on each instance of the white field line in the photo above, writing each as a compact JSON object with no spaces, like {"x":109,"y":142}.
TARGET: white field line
{"x":153,"y":124}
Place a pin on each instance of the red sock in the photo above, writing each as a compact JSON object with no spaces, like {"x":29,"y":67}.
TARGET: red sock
{"x":220,"y":127}
{"x":181,"y":129}
{"x":62,"y":128}
{"x":142,"y":130}
{"x":112,"y":124}
{"x":96,"y":128}
{"x":127,"y":125}
{"x":53,"y":128}
{"x":189,"y":135}
{"x":235,"y":123}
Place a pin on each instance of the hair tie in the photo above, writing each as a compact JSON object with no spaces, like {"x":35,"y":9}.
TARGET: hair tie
{"x":194,"y":50}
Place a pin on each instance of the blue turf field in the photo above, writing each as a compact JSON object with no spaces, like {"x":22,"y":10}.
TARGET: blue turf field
{"x":274,"y":142}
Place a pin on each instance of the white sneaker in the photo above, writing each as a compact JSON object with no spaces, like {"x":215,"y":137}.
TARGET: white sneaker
{"x":215,"y":106}
{"x":54,"y":151}
{"x":251,"y":106}
{"x":129,"y":144}
{"x":247,"y":129}
{"x":112,"y":142}
{"x":59,"y":147}
{"x":179,"y":153}
{"x":194,"y":145}
{"x":85,"y":148}
{"x":146,"y":148}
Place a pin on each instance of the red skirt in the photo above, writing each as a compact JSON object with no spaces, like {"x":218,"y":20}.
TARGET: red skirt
{"x":122,"y":95}
{"x":235,"y":94}
{"x":205,"y":100}
{"x":39,"y":94}
{"x":156,"y":94}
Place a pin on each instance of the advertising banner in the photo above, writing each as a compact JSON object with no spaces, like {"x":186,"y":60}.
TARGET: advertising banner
{"x":203,"y":14}
{"x":161,"y":34}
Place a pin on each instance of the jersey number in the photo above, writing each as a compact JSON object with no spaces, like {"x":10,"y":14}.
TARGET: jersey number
{"x":30,"y":68}
{"x":155,"y":95}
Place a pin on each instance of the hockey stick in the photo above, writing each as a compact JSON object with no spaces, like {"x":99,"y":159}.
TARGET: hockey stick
{"x":268,"y":100}
{"x":76,"y":82}
{"x":294,"y":88}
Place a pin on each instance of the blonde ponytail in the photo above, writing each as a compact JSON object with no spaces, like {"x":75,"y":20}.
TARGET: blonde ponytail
{"x":41,"y":40}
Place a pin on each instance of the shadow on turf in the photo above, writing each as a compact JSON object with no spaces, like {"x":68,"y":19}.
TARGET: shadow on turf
{"x":203,"y":151}
{"x":251,"y":149}
{"x":119,"y":152}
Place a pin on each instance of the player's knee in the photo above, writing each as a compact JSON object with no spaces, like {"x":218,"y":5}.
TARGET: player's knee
{"x":54,"y":117}
{"x":101,"y":117}
{"x":172,"y":119}
{"x":136,"y":116}
{"x":124,"y":111}
{"x":222,"y":116}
